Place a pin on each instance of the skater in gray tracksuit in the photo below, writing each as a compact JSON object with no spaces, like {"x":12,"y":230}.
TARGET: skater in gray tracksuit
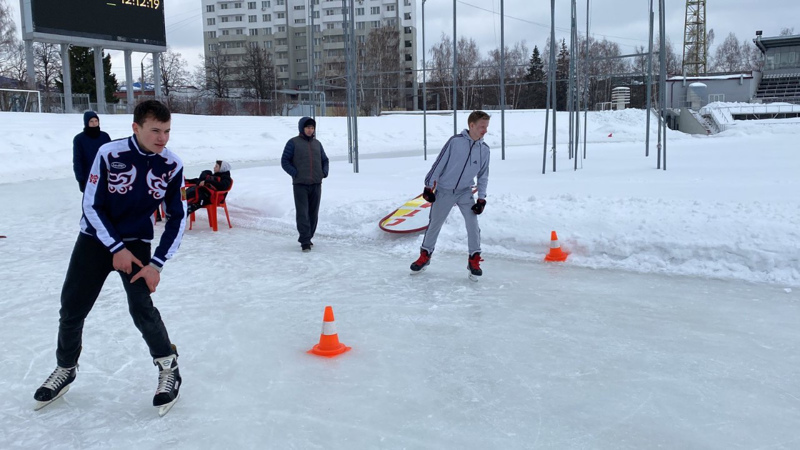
{"x":449,"y":183}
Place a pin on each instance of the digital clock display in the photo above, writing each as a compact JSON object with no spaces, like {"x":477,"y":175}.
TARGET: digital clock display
{"x":134,"y":21}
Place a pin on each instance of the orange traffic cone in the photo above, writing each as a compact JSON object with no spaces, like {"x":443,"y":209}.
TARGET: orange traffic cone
{"x":556,"y":254}
{"x":329,"y":345}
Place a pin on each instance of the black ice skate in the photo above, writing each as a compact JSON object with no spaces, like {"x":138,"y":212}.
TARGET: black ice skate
{"x":422,"y":262}
{"x":169,"y":383}
{"x":474,"y":266}
{"x":56,"y":385}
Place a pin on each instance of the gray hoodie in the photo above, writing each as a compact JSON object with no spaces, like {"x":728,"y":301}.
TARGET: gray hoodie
{"x":460,"y":161}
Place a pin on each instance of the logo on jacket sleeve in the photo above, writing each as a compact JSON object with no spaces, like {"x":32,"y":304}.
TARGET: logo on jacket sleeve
{"x":121,"y":182}
{"x":93,"y":178}
{"x":157,"y":186}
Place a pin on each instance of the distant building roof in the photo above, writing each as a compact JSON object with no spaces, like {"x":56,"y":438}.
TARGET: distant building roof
{"x":778,"y":41}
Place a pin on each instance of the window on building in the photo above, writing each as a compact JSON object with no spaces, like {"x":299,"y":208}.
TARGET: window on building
{"x":317,"y":28}
{"x":266,"y":17}
{"x":390,"y":8}
{"x":237,"y":5}
{"x":408,"y":44}
{"x":317,"y":55}
{"x":299,"y":21}
{"x":223,"y":6}
{"x":361,"y":39}
{"x":282,"y":55}
{"x":299,"y":7}
{"x":280,"y":2}
{"x":210,"y":8}
{"x":330,"y":26}
{"x":211,"y":34}
{"x":281,"y":15}
{"x":407,"y":30}
{"x":375,"y":10}
{"x":253,"y":44}
{"x":252,"y":19}
{"x":359,"y":11}
{"x":408,"y":57}
{"x":267,"y":44}
{"x":392,"y":22}
{"x":240,"y":18}
{"x":281,"y":41}
{"x":407,"y":2}
{"x":225,"y":18}
{"x":268,"y":31}
{"x":407,"y":16}
{"x":283,"y":69}
{"x":212,"y":47}
{"x":253,"y":31}
{"x":361,"y":25}
{"x":316,"y":14}
{"x":330,"y":12}
{"x":226,"y":32}
{"x":375,"y":24}
{"x":210,"y":21}
{"x":239,"y":31}
{"x":251,"y":5}
{"x":265,"y":4}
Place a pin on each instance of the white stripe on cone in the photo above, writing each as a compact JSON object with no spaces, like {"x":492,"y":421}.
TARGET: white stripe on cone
{"x":328,"y":328}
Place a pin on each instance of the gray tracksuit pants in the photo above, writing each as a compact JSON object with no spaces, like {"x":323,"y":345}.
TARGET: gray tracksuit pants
{"x":440,"y":209}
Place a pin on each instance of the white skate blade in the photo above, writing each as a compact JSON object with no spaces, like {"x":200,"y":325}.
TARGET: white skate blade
{"x":474,"y":278}
{"x":164,"y":409}
{"x":40,"y":405}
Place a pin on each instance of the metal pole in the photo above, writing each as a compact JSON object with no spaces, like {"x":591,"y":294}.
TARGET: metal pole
{"x":353,"y":81}
{"x":502,"y":84}
{"x":571,"y":78}
{"x":157,"y":92}
{"x":346,"y":31}
{"x":649,"y":83}
{"x":553,"y":93}
{"x":455,"y":73}
{"x":586,"y":81}
{"x":663,"y":83}
{"x":424,"y":92}
{"x":311,"y":74}
{"x":30,"y":67}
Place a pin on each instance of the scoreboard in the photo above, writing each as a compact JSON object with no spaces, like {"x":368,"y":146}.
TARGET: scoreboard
{"x":125,"y":22}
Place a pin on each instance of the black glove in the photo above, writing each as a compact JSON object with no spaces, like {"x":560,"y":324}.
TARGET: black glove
{"x":477,"y":208}
{"x":428,"y":195}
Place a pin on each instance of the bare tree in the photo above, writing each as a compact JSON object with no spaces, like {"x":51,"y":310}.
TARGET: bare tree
{"x":469,"y":72}
{"x":174,"y":70}
{"x":8,"y":38}
{"x":380,"y":76}
{"x":728,"y":56}
{"x":515,"y":68}
{"x":215,"y":75}
{"x":258,"y":73}
{"x":787,"y":31}
{"x":15,"y":66}
{"x":441,"y":69}
{"x":47,"y":60}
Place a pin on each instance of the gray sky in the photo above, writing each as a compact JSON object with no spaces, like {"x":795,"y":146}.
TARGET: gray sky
{"x":621,"y":21}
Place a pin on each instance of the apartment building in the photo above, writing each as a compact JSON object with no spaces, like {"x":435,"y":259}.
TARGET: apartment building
{"x":284,"y":28}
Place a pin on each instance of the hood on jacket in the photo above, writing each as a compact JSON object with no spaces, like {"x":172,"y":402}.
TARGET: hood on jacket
{"x":89,"y":115}
{"x":224,"y":166}
{"x":304,"y":122}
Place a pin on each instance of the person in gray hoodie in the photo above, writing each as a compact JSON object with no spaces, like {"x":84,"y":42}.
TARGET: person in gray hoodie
{"x":464,"y":157}
{"x":305,"y":161}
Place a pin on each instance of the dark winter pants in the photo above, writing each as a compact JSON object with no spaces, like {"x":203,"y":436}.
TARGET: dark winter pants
{"x":89,"y":267}
{"x":306,"y":205}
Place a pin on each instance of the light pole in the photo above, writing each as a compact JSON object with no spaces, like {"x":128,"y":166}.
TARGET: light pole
{"x":424,"y":92}
{"x":141,"y":88}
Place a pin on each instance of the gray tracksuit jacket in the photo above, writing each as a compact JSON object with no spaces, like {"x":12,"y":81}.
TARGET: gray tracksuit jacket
{"x":460,"y":161}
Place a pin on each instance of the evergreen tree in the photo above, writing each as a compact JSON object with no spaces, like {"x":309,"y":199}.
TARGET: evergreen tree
{"x":537,"y":82}
{"x":81,"y":62}
{"x":562,"y":76}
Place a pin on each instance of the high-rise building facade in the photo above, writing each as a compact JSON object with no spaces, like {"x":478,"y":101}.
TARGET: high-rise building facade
{"x":296,"y":40}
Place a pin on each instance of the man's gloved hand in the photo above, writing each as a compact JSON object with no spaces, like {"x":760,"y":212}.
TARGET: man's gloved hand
{"x":477,"y":208}
{"x":428,"y":195}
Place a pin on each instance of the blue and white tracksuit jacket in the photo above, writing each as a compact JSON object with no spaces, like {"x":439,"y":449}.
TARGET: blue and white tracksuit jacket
{"x":460,"y":161}
{"x":125,"y":187}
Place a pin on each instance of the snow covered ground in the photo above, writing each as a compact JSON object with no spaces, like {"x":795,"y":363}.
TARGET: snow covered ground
{"x":673,"y":324}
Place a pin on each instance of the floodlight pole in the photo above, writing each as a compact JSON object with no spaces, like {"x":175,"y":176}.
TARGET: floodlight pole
{"x":663,"y":82}
{"x":128,"y":81}
{"x":586,"y":82}
{"x":649,"y":83}
{"x":502,"y":84}
{"x":424,"y":92}
{"x":455,"y":72}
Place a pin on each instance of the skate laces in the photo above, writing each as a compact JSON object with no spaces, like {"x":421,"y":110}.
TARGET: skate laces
{"x":475,"y":261}
{"x":166,"y":378}
{"x":57,"y":378}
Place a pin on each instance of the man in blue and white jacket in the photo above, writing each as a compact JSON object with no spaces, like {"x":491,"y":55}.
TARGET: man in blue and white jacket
{"x":464,"y":157}
{"x":128,"y":181}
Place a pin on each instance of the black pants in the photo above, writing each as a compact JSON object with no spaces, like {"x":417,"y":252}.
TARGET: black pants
{"x":306,"y":205}
{"x":89,"y":267}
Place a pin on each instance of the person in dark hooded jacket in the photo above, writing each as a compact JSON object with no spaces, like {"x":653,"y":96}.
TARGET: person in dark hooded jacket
{"x":305,"y":161}
{"x":199,"y":193}
{"x":85,"y":147}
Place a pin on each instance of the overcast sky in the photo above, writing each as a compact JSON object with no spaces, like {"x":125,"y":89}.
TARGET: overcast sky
{"x":622,"y":21}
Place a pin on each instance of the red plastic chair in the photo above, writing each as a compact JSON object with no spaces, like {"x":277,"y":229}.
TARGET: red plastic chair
{"x":217,"y":201}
